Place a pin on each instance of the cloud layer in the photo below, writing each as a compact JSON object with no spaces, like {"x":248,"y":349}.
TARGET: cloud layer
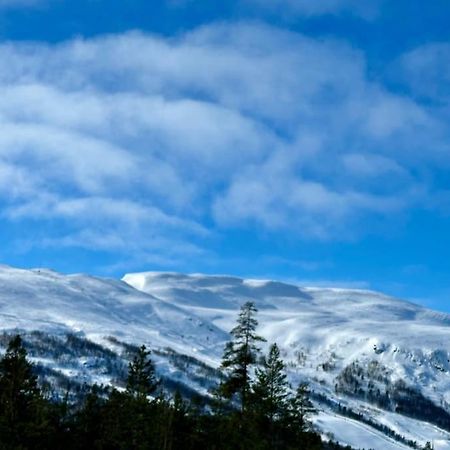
{"x":140,"y":144}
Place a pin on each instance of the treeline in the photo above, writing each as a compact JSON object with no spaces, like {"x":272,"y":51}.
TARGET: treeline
{"x":372,"y":384}
{"x":75,"y":360}
{"x":253,"y":406}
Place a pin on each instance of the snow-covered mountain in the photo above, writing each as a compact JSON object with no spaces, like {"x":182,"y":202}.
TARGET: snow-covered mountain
{"x":379,"y":367}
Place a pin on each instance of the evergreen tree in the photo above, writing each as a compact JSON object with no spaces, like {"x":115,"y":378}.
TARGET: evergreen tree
{"x":22,"y":408}
{"x":89,"y":419}
{"x":110,"y":419}
{"x":299,"y":411}
{"x":269,"y":399}
{"x":240,"y":355}
{"x":270,"y":390}
{"x":141,"y":380}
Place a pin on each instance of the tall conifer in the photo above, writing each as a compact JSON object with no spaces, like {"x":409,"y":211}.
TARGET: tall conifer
{"x":141,"y":380}
{"x":240,"y":354}
{"x":271,"y":386}
{"x":21,"y":402}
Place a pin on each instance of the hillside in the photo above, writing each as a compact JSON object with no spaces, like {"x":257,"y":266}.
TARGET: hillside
{"x":378,"y":366}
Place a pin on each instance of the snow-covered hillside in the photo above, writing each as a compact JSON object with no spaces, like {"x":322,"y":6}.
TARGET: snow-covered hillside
{"x":46,"y":300}
{"x":351,"y":345}
{"x":368,"y":357}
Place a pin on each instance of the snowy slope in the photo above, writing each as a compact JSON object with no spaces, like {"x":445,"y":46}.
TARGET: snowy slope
{"x":46,"y":300}
{"x":351,"y":432}
{"x":324,"y":331}
{"x":340,"y":324}
{"x":329,"y":337}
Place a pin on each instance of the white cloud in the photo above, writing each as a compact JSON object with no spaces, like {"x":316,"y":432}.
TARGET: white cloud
{"x":275,"y":197}
{"x":426,"y":71}
{"x":370,"y":165}
{"x":122,"y":137}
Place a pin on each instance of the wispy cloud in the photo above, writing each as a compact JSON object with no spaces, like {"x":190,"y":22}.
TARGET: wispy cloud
{"x":160,"y":142}
{"x":426,"y":71}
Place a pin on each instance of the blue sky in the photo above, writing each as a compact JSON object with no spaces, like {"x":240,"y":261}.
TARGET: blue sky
{"x":307,"y":141}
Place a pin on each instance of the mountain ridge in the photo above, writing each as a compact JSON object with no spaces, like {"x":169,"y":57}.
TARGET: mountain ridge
{"x":357,"y":348}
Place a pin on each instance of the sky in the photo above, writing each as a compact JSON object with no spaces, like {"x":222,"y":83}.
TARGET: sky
{"x":307,"y":141}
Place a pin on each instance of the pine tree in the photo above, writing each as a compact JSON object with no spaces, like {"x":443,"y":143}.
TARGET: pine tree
{"x":89,"y":419}
{"x":240,"y":355}
{"x":269,"y":398}
{"x":21,"y":404}
{"x":300,"y":409}
{"x":141,"y":380}
{"x":271,"y":386}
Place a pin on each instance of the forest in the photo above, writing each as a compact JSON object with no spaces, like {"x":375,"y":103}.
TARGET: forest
{"x":252,"y":407}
